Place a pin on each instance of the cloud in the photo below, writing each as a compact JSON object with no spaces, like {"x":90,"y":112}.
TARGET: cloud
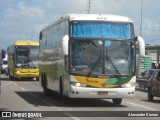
{"x":19,"y":22}
{"x":24,"y":19}
{"x":30,"y":12}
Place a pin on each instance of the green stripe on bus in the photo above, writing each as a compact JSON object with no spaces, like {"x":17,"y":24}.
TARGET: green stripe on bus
{"x":118,"y":81}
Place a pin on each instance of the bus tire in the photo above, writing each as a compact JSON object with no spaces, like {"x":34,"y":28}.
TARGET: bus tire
{"x":44,"y":85}
{"x":42,"y":79}
{"x":61,"y":87}
{"x":64,"y":98}
{"x":10,"y":77}
{"x":117,"y":101}
{"x":37,"y":78}
{"x":13,"y":78}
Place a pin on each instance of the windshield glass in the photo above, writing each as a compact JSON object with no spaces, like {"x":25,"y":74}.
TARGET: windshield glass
{"x":121,"y":54}
{"x":102,"y":57}
{"x":27,"y":56}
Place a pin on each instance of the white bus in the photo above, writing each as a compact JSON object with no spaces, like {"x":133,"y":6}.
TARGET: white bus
{"x":89,"y":56}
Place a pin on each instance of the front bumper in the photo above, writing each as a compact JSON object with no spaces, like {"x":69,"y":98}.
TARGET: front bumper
{"x":82,"y":92}
{"x":26,"y":75}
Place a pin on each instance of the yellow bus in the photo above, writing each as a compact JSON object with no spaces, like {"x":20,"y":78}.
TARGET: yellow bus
{"x":23,"y":59}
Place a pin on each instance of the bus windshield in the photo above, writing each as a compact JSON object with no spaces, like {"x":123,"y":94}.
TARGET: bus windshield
{"x":102,"y":57}
{"x":102,"y":48}
{"x":26,"y":56}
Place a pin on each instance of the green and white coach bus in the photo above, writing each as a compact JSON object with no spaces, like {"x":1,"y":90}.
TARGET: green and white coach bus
{"x":89,"y":56}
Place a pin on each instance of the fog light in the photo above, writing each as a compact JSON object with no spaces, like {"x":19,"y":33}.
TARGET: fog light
{"x":17,"y":71}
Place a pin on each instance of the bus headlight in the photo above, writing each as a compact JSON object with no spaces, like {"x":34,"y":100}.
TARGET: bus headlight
{"x":77,"y":84}
{"x":17,"y":71}
{"x":128,"y":85}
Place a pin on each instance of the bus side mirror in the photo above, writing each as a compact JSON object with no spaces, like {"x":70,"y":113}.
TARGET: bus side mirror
{"x":65,"y":40}
{"x":141,"y":45}
{"x":3,"y":53}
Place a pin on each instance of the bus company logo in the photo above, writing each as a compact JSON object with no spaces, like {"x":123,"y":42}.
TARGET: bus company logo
{"x":6,"y":114}
{"x":104,"y":85}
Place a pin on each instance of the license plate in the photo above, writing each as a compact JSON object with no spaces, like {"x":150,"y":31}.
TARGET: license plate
{"x":102,"y":93}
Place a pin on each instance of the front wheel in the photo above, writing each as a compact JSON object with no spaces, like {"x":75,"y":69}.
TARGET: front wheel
{"x":37,"y":78}
{"x":10,"y":77}
{"x":117,"y":101}
{"x":64,"y":98}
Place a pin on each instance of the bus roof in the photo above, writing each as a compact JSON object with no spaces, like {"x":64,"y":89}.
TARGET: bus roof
{"x":26,"y":42}
{"x":99,"y":17}
{"x":91,"y":17}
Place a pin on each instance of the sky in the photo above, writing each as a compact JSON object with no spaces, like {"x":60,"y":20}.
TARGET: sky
{"x":24,"y":19}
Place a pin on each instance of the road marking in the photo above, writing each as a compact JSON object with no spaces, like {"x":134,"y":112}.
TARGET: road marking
{"x":2,"y":85}
{"x":141,"y":106}
{"x":71,"y":116}
{"x":23,"y":89}
{"x":6,"y":84}
{"x":19,"y":87}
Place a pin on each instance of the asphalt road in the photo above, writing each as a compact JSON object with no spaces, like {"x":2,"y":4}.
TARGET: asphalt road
{"x":27,"y":95}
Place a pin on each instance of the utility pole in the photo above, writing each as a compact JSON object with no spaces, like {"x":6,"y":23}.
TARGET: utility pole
{"x":141,"y":17}
{"x":88,"y":6}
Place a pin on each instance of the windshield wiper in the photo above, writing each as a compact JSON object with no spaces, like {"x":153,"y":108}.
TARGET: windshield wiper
{"x":94,"y":65}
{"x":115,"y":68}
{"x":113,"y":65}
